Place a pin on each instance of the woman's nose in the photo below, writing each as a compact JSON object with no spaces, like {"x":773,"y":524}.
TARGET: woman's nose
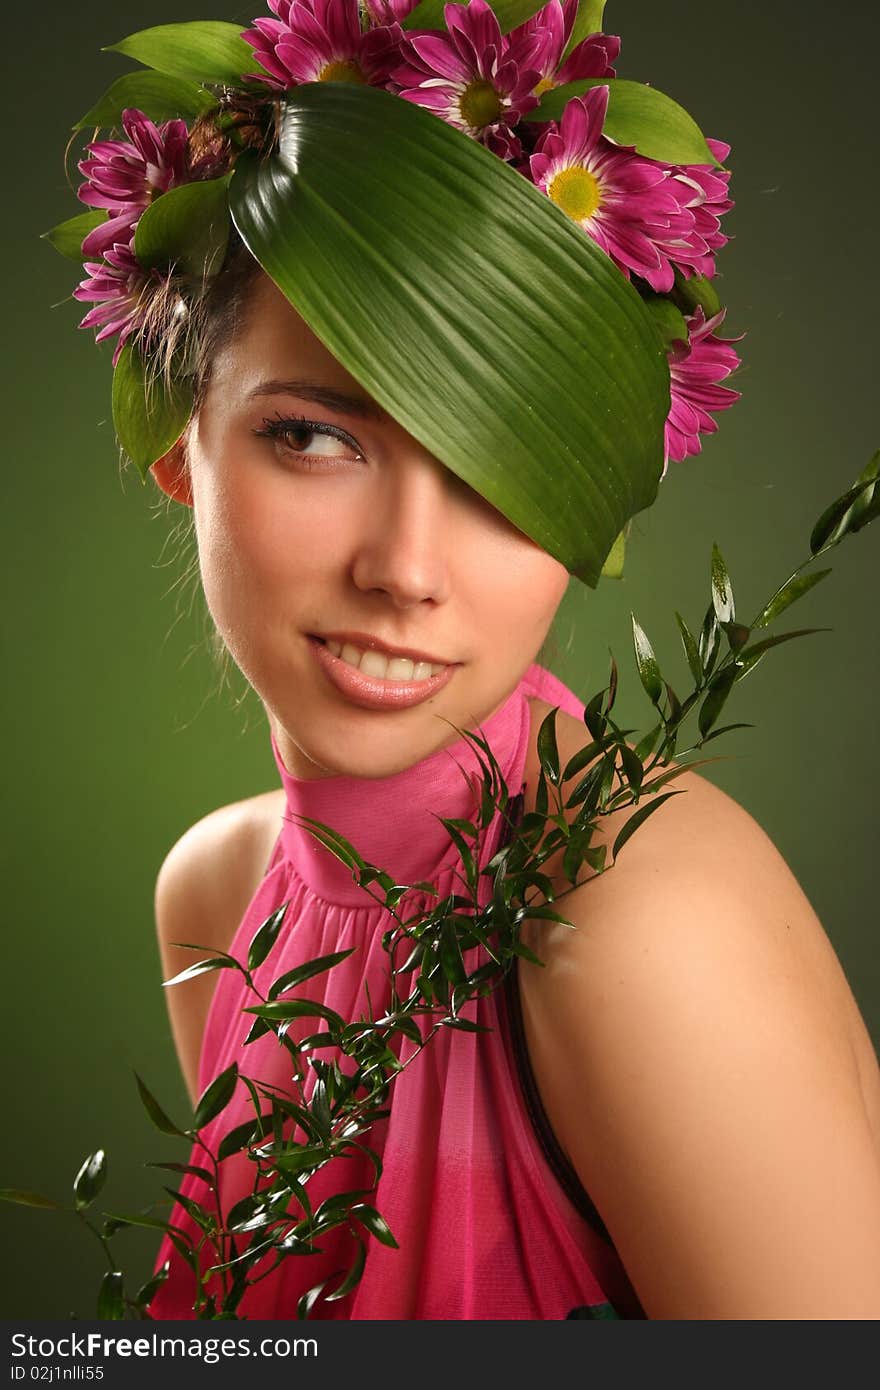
{"x":406,"y":541}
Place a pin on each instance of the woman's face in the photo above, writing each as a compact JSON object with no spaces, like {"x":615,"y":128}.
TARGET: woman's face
{"x":325,"y":531}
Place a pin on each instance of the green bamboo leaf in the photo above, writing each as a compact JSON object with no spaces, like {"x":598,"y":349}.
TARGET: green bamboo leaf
{"x":649,"y":670}
{"x":722,"y":589}
{"x":111,"y":1298}
{"x":726,"y":729}
{"x":160,"y":97}
{"x":201,"y":967}
{"x":265,"y":937}
{"x":584,"y":756}
{"x":709,"y":640}
{"x":789,"y":593}
{"x":530,"y":330}
{"x":203,"y":1219}
{"x":137,"y":1218}
{"x":90,"y":1179}
{"x":450,"y":955}
{"x":737,"y":635}
{"x":858,"y":506}
{"x":866,"y":507}
{"x":638,"y":115}
{"x":716,"y":698}
{"x":352,"y":1278}
{"x":22,"y":1198}
{"x":69,"y":236}
{"x":632,"y":766}
{"x":300,"y":973}
{"x":646,"y":745}
{"x":588,"y":21}
{"x":147,"y":1292}
{"x":309,"y":1299}
{"x":638,"y":818}
{"x":239,"y":1137}
{"x":465,"y":1025}
{"x":216,"y":1096}
{"x":690,"y":649}
{"x":338,"y":846}
{"x":375,"y":1224}
{"x":428,"y":14}
{"x":750,"y":656}
{"x":186,"y":228}
{"x":201,"y":50}
{"x":192,"y":1169}
{"x":285,"y":1010}
{"x":155,"y":1111}
{"x":148,"y":417}
{"x":548,"y":751}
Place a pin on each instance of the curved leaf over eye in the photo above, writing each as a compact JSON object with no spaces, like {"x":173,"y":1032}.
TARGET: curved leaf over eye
{"x":486,"y":323}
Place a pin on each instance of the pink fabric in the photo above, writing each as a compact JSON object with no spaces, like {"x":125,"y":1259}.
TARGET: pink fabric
{"x":484,"y":1228}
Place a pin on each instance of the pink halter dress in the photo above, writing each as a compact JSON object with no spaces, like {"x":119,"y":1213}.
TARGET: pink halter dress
{"x":490,"y":1219}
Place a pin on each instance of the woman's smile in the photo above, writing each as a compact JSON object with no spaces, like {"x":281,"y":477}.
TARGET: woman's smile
{"x":373,"y":680}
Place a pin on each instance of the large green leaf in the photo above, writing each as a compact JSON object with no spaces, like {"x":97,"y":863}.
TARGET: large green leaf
{"x":428,"y":14}
{"x":148,"y":417}
{"x":638,"y":115}
{"x":469,"y":306}
{"x":155,"y":93}
{"x":204,"y":50}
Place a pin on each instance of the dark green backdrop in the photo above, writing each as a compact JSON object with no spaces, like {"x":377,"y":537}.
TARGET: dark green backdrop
{"x":117,"y":736}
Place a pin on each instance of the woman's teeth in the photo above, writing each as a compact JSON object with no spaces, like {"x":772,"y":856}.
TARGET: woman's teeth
{"x":389,"y":668}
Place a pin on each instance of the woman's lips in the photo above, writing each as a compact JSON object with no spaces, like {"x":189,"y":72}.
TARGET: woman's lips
{"x":370,"y":692}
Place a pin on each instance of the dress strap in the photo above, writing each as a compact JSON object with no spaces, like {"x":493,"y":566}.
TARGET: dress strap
{"x":560,"y":1166}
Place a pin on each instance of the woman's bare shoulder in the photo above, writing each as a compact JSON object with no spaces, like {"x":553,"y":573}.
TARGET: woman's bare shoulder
{"x":214,"y":868}
{"x":704,"y":1064}
{"x":203,"y":888}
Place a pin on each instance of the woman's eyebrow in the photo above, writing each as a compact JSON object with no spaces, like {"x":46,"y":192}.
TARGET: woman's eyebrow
{"x":322,"y":395}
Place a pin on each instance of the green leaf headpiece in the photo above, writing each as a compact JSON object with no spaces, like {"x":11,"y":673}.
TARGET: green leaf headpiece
{"x":516,"y":283}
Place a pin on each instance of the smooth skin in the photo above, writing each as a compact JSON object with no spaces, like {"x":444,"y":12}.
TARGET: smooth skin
{"x":698,"y":1050}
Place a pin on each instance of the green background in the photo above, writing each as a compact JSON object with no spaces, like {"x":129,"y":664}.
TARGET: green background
{"x":119,"y":730}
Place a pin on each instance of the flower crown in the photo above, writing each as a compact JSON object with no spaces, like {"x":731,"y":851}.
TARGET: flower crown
{"x":535,"y":87}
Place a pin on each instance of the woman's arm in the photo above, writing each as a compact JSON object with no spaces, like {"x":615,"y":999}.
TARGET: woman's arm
{"x":705,"y":1067}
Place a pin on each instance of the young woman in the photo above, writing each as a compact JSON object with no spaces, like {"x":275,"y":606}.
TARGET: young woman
{"x":677,"y":1115}
{"x":696,"y":1103}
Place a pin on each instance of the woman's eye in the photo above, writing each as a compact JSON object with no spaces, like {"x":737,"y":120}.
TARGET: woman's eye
{"x":307,"y":441}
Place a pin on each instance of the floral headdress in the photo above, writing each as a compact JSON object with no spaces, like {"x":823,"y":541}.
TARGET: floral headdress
{"x":542,"y":257}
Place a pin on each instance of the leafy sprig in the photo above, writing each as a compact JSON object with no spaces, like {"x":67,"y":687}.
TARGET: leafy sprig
{"x":442,"y":956}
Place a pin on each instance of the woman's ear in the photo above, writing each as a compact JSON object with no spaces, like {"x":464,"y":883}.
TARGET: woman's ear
{"x":171,"y":472}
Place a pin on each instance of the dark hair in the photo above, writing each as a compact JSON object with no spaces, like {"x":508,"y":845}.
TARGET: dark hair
{"x":191,"y":330}
{"x":220,"y":312}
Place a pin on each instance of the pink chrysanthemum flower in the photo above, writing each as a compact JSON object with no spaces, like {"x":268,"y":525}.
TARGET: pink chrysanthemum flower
{"x":468,"y":76}
{"x":389,"y":11}
{"x":124,"y":176}
{"x":696,"y":369}
{"x":320,"y":41}
{"x":540,"y":42}
{"x":116,"y":286}
{"x":708,"y":199}
{"x":628,"y":204}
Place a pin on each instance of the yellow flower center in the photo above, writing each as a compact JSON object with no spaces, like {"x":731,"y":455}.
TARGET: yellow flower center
{"x":345,"y":71}
{"x":576,"y":191}
{"x":546,"y":84}
{"x":479,"y":104}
